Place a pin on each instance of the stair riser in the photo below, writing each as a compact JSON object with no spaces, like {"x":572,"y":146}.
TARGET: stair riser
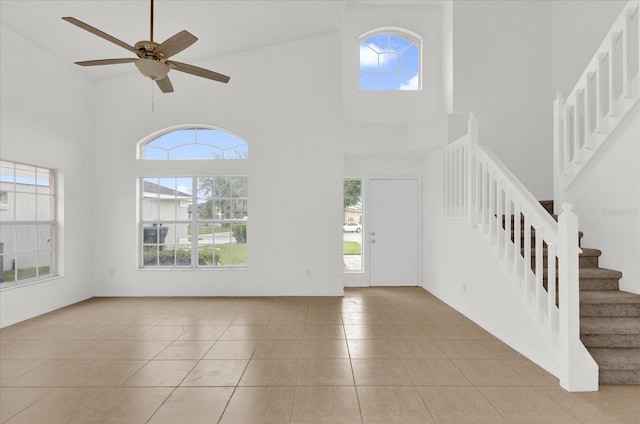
{"x":611,"y":340}
{"x":583,"y":261}
{"x":533,"y":239}
{"x":615,"y":377}
{"x":599,"y":284}
{"x":610,"y":310}
{"x":592,"y":283}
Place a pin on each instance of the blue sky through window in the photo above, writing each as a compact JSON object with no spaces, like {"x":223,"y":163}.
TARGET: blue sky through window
{"x":197,"y":143}
{"x":389,"y":61}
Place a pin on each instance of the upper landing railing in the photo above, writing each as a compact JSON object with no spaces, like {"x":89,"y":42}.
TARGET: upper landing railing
{"x":605,"y":93}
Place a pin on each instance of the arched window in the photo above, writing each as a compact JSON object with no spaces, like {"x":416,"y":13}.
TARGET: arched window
{"x":195,"y":143}
{"x":188,"y":219}
{"x":390,"y":60}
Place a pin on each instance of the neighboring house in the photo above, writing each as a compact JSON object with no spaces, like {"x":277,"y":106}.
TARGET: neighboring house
{"x":168,"y":203}
{"x":353,"y":214}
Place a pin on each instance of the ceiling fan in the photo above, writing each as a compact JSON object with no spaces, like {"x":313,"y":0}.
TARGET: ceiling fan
{"x":152,"y":60}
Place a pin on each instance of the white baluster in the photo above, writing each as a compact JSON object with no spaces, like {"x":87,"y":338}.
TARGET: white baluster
{"x":492,"y":208}
{"x":498,"y":219}
{"x":577,"y":148}
{"x":568,"y":139}
{"x":551,"y":291}
{"x":626,"y":86}
{"x":558,"y":148}
{"x":507,"y":230}
{"x":526,"y":271}
{"x":615,"y":73}
{"x":517,"y":245}
{"x":539,"y":270}
{"x":590,"y":110}
{"x":602,"y":93}
{"x":473,"y":134}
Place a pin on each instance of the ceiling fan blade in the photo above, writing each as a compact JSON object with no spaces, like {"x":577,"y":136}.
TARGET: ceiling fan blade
{"x":106,"y":62}
{"x":199,"y":72}
{"x":165,"y":84}
{"x":101,"y":34}
{"x":174,"y":45}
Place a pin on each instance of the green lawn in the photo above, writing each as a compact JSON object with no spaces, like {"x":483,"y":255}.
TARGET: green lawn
{"x":24,"y":273}
{"x":210,"y":230}
{"x":236,"y":254}
{"x":351,"y":248}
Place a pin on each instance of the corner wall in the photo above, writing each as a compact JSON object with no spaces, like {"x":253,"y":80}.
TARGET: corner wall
{"x":501,"y":65}
{"x":462,"y":271}
{"x":606,"y":195}
{"x":47,"y":121}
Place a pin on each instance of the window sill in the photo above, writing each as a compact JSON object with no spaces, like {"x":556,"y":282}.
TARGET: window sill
{"x":20,"y":284}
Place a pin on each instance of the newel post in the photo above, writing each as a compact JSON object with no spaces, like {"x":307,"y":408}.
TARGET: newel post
{"x":569,"y":325}
{"x":579,"y":370}
{"x":558,"y":150}
{"x":470,"y":160}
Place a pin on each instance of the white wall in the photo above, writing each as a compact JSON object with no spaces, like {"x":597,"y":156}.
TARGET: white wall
{"x":284,"y":101}
{"x":502,"y":71}
{"x":46,"y":115}
{"x":464,"y":273}
{"x":606,"y":195}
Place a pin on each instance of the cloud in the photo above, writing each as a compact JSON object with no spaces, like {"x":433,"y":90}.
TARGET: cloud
{"x":369,"y":56}
{"x":412,"y":84}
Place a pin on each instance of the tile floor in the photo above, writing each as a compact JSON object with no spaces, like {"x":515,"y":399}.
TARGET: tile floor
{"x":377,"y":355}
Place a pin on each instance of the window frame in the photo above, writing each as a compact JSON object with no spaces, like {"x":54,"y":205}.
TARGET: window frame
{"x":193,"y":169}
{"x":410,"y":37}
{"x":193,"y":222}
{"x":140,"y":154}
{"x":34,"y":244}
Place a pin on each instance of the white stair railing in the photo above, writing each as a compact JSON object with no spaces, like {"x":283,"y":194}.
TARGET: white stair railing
{"x":478,"y":186}
{"x":607,"y":90}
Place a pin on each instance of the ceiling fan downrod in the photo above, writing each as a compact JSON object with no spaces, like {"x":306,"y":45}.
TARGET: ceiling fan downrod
{"x":151,"y":35}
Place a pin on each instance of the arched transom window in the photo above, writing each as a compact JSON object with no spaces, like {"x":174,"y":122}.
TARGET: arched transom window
{"x":390,"y":60}
{"x":195,"y":143}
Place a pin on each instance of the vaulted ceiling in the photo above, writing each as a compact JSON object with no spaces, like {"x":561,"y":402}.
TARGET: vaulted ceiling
{"x":222,"y":26}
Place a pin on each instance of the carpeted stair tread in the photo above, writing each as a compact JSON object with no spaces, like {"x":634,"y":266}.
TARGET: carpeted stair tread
{"x":609,"y":303}
{"x":596,"y":273}
{"x":599,"y":273}
{"x":609,"y":296}
{"x":585,"y":251}
{"x":609,"y":325}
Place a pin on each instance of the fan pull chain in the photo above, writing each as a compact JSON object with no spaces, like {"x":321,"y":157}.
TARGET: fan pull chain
{"x":153,"y":98}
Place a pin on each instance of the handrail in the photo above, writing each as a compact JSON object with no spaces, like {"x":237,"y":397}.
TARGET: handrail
{"x":478,"y":186}
{"x":604,"y":94}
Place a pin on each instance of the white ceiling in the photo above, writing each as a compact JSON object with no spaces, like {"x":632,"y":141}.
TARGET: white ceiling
{"x":222,"y":26}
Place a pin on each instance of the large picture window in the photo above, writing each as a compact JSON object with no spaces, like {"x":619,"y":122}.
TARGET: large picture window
{"x":27,"y":223}
{"x":194,"y":222}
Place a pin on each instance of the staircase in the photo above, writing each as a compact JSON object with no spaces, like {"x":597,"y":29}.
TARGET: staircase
{"x":609,"y":318}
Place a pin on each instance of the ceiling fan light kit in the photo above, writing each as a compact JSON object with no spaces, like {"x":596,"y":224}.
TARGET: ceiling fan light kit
{"x":154,"y":69}
{"x":152,"y":57}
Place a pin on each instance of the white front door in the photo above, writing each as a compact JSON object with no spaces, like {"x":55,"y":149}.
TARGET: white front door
{"x":394,"y":231}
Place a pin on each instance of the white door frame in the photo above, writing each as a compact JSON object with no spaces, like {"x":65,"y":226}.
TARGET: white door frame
{"x":366,"y":239}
